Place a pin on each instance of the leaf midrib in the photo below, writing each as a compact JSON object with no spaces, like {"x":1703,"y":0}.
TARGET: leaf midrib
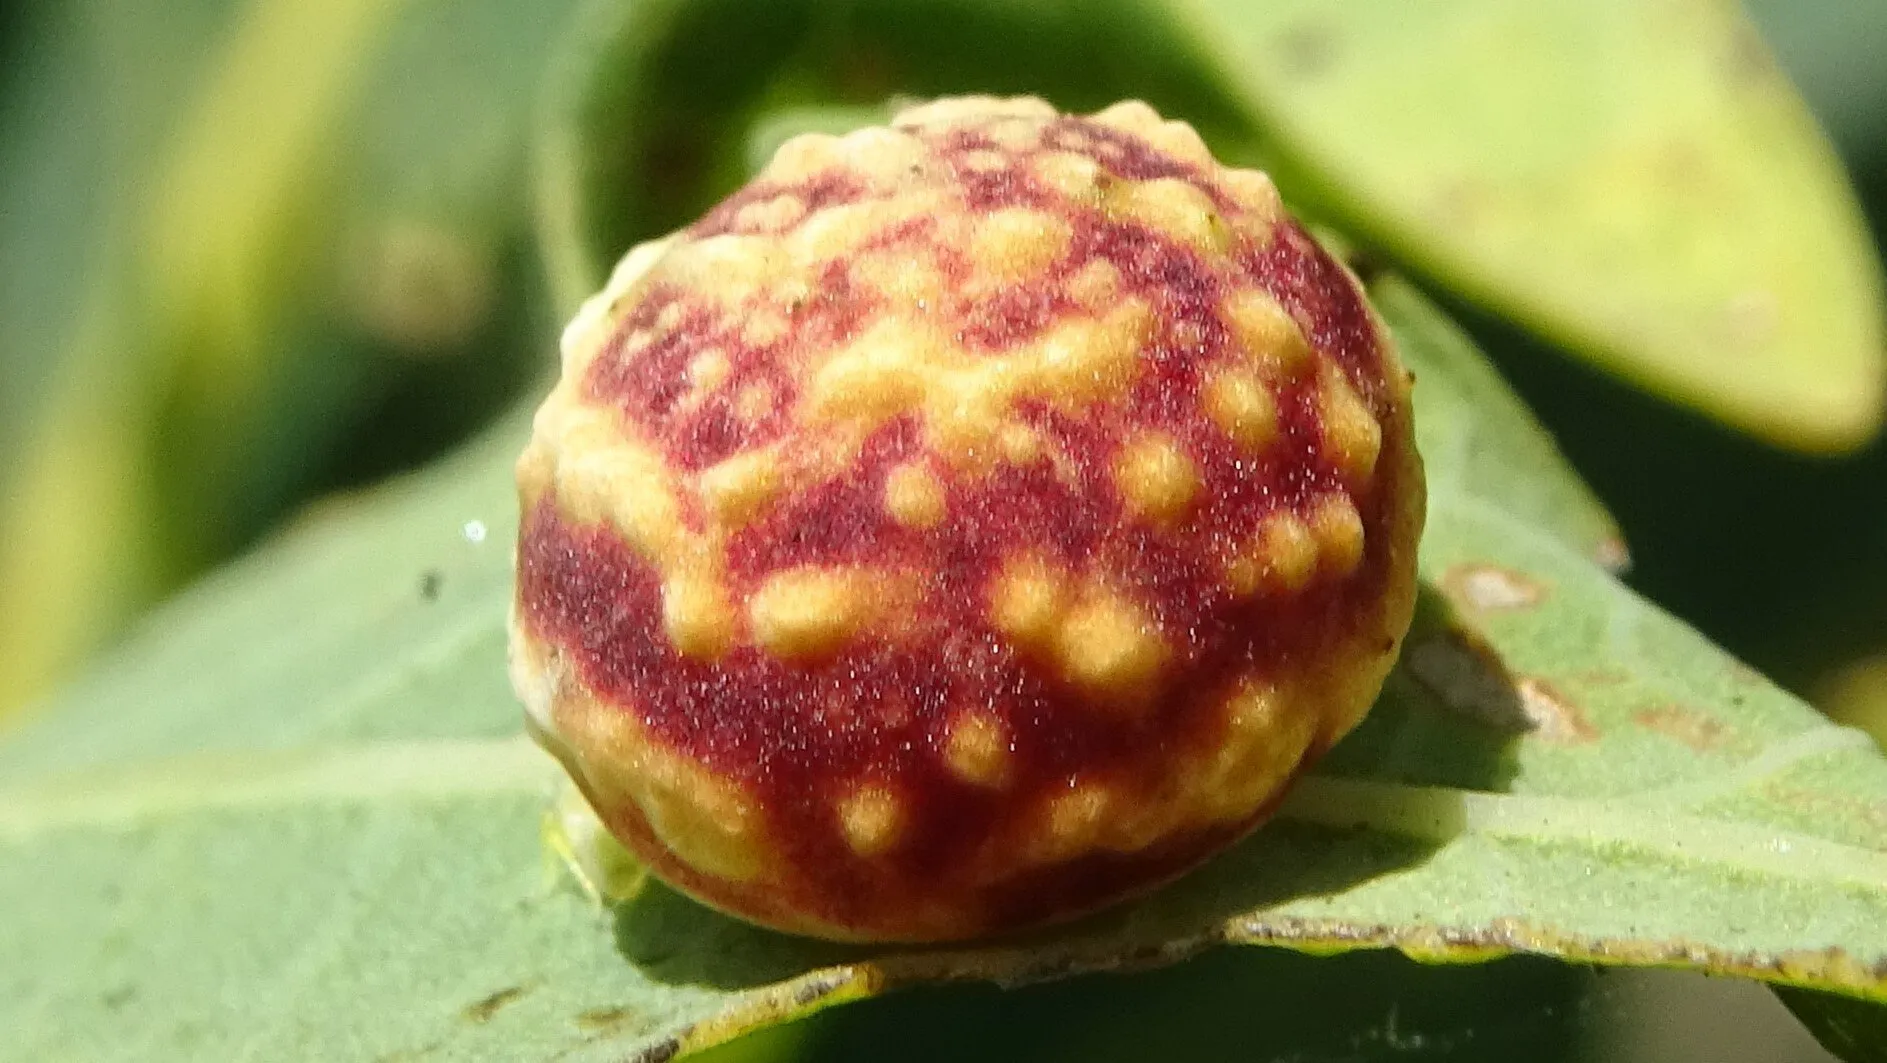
{"x":433,"y":769}
{"x":423,"y":769}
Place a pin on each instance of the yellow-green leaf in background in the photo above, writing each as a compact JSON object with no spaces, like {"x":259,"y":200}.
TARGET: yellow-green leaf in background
{"x":246,"y":228}
{"x":295,"y":817}
{"x":1636,"y":181}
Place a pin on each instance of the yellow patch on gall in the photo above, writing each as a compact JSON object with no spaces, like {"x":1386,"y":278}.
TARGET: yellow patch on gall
{"x":883,"y":157}
{"x":1095,"y":286}
{"x":1174,"y":208}
{"x":1267,"y":336}
{"x":736,"y":489}
{"x":1110,"y":647}
{"x":967,"y":400}
{"x":1129,"y":116}
{"x":708,"y":370}
{"x":1282,"y":557}
{"x":1266,"y":732}
{"x":808,"y":611}
{"x":1254,"y":191}
{"x":766,"y":325}
{"x":1086,"y":360}
{"x":914,"y":497}
{"x":696,"y":615}
{"x":981,"y":111}
{"x":730,"y":268}
{"x":1156,"y":478}
{"x":804,"y":156}
{"x":1174,"y":138}
{"x":977,"y":749}
{"x":1015,"y":133}
{"x":983,"y":161}
{"x":771,"y":215}
{"x":836,"y":232}
{"x":1019,"y":443}
{"x":882,"y":374}
{"x":1074,"y":176}
{"x":909,"y":280}
{"x":708,"y":822}
{"x":1351,"y":432}
{"x":1015,"y":244}
{"x":872,"y":819}
{"x":1338,"y":529}
{"x":611,"y":479}
{"x":1026,"y":599}
{"x":1243,"y":408}
{"x":753,"y":402}
{"x":1071,"y":823}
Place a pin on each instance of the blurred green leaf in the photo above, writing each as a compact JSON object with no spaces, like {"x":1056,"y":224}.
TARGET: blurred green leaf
{"x":1636,"y":181}
{"x":655,"y":108}
{"x":300,"y":794}
{"x":85,"y":111}
{"x":1477,"y":441}
{"x":269,"y":220}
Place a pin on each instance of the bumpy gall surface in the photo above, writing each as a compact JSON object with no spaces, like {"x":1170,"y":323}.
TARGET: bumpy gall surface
{"x":965,"y":525}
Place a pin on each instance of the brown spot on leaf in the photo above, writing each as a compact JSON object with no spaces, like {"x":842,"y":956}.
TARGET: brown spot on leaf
{"x":1744,"y":675}
{"x":1481,"y":588}
{"x":481,"y":1011}
{"x":1466,"y":674}
{"x":1308,"y":48}
{"x":1556,"y":718}
{"x":1746,"y":61}
{"x":1693,"y":728}
{"x":408,"y":1055}
{"x":1600,"y":677}
{"x":1612,"y":554}
{"x":602,"y":1020}
{"x":1459,"y":203}
{"x":1829,"y":807}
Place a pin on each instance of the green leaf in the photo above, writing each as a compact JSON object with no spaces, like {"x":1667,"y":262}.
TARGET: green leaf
{"x":235,"y":227}
{"x":294,"y":817}
{"x":653,"y":111}
{"x":1479,"y":443}
{"x":1636,"y":181}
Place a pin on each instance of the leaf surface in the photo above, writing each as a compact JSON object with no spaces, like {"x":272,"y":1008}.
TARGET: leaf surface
{"x":293,"y":817}
{"x":229,"y":230}
{"x":1636,"y":181}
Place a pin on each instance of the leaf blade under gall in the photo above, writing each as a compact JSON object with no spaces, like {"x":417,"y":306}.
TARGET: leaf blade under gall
{"x":343,"y":815}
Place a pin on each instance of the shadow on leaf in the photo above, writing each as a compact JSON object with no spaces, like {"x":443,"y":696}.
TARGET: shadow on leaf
{"x":1449,"y":714}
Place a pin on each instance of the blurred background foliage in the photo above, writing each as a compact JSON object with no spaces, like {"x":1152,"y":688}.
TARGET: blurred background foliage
{"x":256,"y":253}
